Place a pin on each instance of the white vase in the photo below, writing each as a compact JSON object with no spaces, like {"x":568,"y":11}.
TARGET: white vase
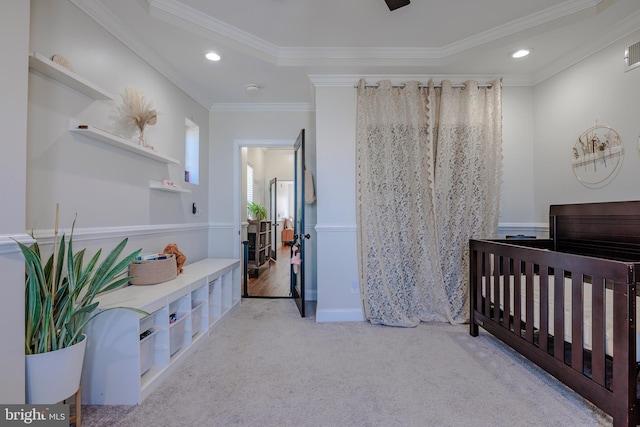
{"x":54,"y":376}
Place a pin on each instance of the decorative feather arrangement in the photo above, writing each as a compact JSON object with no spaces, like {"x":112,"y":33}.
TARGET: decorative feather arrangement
{"x":137,"y":112}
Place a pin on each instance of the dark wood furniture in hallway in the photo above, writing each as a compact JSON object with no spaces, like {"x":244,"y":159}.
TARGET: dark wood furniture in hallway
{"x":273,"y":281}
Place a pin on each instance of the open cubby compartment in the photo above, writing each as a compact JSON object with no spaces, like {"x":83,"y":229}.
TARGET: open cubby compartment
{"x":215,"y":300}
{"x":227,"y":290}
{"x":153,"y":341}
{"x":199,"y":310}
{"x":236,"y":294}
{"x":179,"y":324}
{"x":154,"y":348}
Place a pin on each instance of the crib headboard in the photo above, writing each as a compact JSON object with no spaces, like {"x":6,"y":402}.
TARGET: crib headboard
{"x":608,"y":229}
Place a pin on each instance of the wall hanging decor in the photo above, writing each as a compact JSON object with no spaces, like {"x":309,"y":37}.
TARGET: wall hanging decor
{"x":597,"y":155}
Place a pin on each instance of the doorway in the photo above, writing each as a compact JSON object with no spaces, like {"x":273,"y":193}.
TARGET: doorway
{"x":272,"y":163}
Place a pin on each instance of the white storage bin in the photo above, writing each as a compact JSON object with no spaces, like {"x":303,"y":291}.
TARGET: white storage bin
{"x":146,"y":353}
{"x":196,"y":317}
{"x":176,"y":334}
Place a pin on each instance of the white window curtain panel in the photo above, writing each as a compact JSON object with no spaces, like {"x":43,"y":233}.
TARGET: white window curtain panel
{"x":429,"y":168}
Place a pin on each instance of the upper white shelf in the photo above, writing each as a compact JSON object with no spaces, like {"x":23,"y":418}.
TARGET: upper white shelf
{"x":56,"y":71}
{"x":158,"y":185}
{"x":117,"y":141}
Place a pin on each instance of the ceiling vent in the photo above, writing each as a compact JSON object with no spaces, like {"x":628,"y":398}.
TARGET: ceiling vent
{"x":632,"y":57}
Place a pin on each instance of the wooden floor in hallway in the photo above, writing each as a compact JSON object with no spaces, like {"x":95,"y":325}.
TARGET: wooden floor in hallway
{"x":274,"y":279}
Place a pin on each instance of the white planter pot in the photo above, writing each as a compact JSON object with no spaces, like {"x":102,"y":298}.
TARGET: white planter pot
{"x":54,"y":376}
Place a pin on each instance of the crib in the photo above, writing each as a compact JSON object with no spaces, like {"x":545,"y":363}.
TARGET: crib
{"x":568,"y":303}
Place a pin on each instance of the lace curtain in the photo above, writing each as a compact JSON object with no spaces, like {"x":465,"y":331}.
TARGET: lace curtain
{"x":429,"y":168}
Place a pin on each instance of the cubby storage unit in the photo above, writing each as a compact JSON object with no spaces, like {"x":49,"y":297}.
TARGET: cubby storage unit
{"x":128,"y":355}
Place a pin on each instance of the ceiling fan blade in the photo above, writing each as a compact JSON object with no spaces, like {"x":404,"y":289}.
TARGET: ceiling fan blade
{"x":395,"y":4}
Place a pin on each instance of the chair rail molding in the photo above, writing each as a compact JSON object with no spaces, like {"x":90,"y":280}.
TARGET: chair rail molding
{"x":8,"y":243}
{"x":336,"y":228}
{"x":97,"y":233}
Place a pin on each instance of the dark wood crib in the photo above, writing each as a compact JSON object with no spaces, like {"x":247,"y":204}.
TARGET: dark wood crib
{"x":579,"y":283}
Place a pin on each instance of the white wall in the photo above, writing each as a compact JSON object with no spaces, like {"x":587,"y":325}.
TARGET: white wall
{"x":568,"y":104}
{"x":540,"y":127}
{"x":14,"y":43}
{"x":516,"y":205}
{"x":338,"y":294}
{"x":338,"y":298}
{"x":107,"y":187}
{"x":43,"y":163}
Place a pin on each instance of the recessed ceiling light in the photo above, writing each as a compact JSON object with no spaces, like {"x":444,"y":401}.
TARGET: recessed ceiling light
{"x":212,"y":56}
{"x":520,"y":53}
{"x":253,"y":88}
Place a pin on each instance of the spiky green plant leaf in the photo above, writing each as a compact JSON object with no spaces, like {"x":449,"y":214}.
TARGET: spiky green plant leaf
{"x":57,"y":311}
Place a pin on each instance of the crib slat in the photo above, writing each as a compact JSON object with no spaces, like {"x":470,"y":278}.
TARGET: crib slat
{"x":478,"y":279}
{"x":598,"y":330}
{"x":517,"y":296}
{"x":529,"y":301}
{"x":507,"y":292}
{"x":624,"y":364}
{"x":487,"y":284}
{"x":558,"y":314}
{"x":496,"y":288}
{"x":577,"y":321}
{"x":543,"y":340}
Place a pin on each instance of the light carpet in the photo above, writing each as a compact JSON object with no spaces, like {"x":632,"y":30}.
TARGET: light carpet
{"x":266,"y":366}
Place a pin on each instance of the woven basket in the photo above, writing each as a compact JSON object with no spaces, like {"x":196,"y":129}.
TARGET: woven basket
{"x":152,"y":272}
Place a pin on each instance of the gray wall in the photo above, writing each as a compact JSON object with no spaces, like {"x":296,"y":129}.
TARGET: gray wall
{"x":108,"y":188}
{"x":14,"y":43}
{"x":569,"y":103}
{"x":540,"y":126}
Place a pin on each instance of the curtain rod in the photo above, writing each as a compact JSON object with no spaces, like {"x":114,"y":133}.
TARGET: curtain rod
{"x":422,"y":86}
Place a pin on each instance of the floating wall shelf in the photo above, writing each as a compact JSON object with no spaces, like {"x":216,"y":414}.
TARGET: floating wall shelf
{"x":157,"y":185}
{"x":117,"y":141}
{"x":57,"y":72}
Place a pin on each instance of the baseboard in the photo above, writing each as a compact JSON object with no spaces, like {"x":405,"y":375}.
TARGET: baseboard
{"x":339,"y":315}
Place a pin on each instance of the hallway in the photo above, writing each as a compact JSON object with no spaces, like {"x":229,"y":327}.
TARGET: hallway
{"x":273,"y":280}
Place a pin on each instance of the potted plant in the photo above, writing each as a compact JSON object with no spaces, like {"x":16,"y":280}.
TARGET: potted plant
{"x":59,"y":302}
{"x":257,"y":211}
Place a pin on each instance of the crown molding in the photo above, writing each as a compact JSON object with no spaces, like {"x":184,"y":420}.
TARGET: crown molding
{"x":262,"y":107}
{"x":351,"y":80}
{"x":622,"y":29}
{"x":178,"y":13}
{"x":105,"y":18}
